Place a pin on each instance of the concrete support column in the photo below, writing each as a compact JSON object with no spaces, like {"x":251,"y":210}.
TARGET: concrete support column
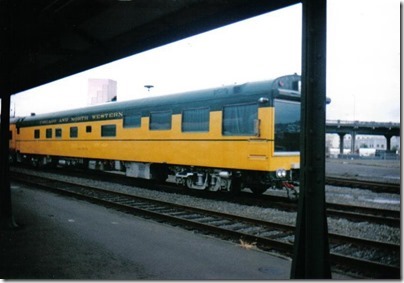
{"x":388,"y":141}
{"x":6,"y":215}
{"x":7,"y":52}
{"x":353,"y":142}
{"x":311,"y":247}
{"x":341,"y":142}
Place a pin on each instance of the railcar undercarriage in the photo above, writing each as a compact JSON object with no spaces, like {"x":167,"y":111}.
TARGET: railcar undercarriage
{"x":197,"y":178}
{"x":235,"y":180}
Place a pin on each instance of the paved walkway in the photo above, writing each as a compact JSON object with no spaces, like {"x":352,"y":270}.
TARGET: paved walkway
{"x":65,"y":238}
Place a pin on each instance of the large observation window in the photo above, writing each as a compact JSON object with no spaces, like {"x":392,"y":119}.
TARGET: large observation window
{"x":195,"y":120}
{"x":287,"y":125}
{"x":132,"y":120}
{"x":239,"y":120}
{"x":160,"y":120}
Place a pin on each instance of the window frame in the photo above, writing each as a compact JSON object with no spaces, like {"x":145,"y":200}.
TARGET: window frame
{"x":108,"y":130}
{"x":74,"y":132}
{"x":48,"y":133}
{"x":189,"y":127}
{"x":58,"y":133}
{"x":130,"y":124}
{"x":37,"y":133}
{"x":277,"y":141}
{"x":169,"y":123}
{"x":245,"y":129}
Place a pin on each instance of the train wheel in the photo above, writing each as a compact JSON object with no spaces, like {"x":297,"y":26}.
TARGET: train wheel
{"x":189,"y":182}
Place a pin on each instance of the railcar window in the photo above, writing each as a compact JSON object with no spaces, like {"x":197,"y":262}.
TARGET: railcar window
{"x":296,"y":85}
{"x":160,"y":120}
{"x":48,"y":133}
{"x":37,"y":134}
{"x":108,"y":131}
{"x":74,"y":132}
{"x":58,"y":133}
{"x":131,"y":120}
{"x":238,"y":120}
{"x":287,"y":125}
{"x":195,"y":120}
{"x":89,"y":129}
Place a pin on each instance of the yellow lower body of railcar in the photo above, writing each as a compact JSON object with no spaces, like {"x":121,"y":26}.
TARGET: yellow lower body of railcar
{"x":234,"y":154}
{"x":243,"y":154}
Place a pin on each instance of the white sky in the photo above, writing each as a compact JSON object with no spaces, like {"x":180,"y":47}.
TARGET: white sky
{"x":363,"y":62}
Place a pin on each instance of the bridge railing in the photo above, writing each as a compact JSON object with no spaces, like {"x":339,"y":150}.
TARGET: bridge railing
{"x":370,"y":124}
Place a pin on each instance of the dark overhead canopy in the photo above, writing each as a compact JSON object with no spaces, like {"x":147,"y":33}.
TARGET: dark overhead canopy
{"x":45,"y":40}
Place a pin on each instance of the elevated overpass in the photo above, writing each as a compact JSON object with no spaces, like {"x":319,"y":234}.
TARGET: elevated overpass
{"x":341,"y":127}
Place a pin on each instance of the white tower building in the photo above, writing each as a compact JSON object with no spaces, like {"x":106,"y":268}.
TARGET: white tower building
{"x":101,"y":91}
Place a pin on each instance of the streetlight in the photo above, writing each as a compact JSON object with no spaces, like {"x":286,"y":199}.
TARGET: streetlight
{"x":148,"y":87}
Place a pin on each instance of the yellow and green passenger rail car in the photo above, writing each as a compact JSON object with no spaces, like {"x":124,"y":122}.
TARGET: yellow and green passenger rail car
{"x":216,"y":139}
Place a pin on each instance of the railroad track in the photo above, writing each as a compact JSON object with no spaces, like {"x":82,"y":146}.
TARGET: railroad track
{"x":359,"y":213}
{"x":335,"y":210}
{"x":369,"y":185}
{"x":370,"y":258}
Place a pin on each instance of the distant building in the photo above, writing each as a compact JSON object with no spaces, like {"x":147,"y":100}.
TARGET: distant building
{"x":101,"y":91}
{"x":365,"y":145}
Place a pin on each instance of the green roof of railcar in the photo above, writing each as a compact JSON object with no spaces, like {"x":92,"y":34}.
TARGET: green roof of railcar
{"x":215,"y":98}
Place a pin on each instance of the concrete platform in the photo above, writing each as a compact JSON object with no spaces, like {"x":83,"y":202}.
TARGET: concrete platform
{"x":65,"y":238}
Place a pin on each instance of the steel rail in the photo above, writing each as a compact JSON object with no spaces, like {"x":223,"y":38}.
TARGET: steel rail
{"x":336,"y":210}
{"x":378,"y":187}
{"x":371,"y":215}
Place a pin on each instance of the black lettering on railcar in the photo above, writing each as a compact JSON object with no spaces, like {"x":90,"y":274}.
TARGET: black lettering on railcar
{"x":115,"y":115}
{"x":107,"y":115}
{"x":82,"y":118}
{"x":79,"y":118}
{"x":48,"y":122}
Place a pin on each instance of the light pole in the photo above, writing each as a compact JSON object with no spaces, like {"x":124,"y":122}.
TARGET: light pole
{"x":148,"y":87}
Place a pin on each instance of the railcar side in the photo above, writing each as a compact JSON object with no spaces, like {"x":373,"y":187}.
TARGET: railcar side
{"x":12,"y":139}
{"x":216,"y":139}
